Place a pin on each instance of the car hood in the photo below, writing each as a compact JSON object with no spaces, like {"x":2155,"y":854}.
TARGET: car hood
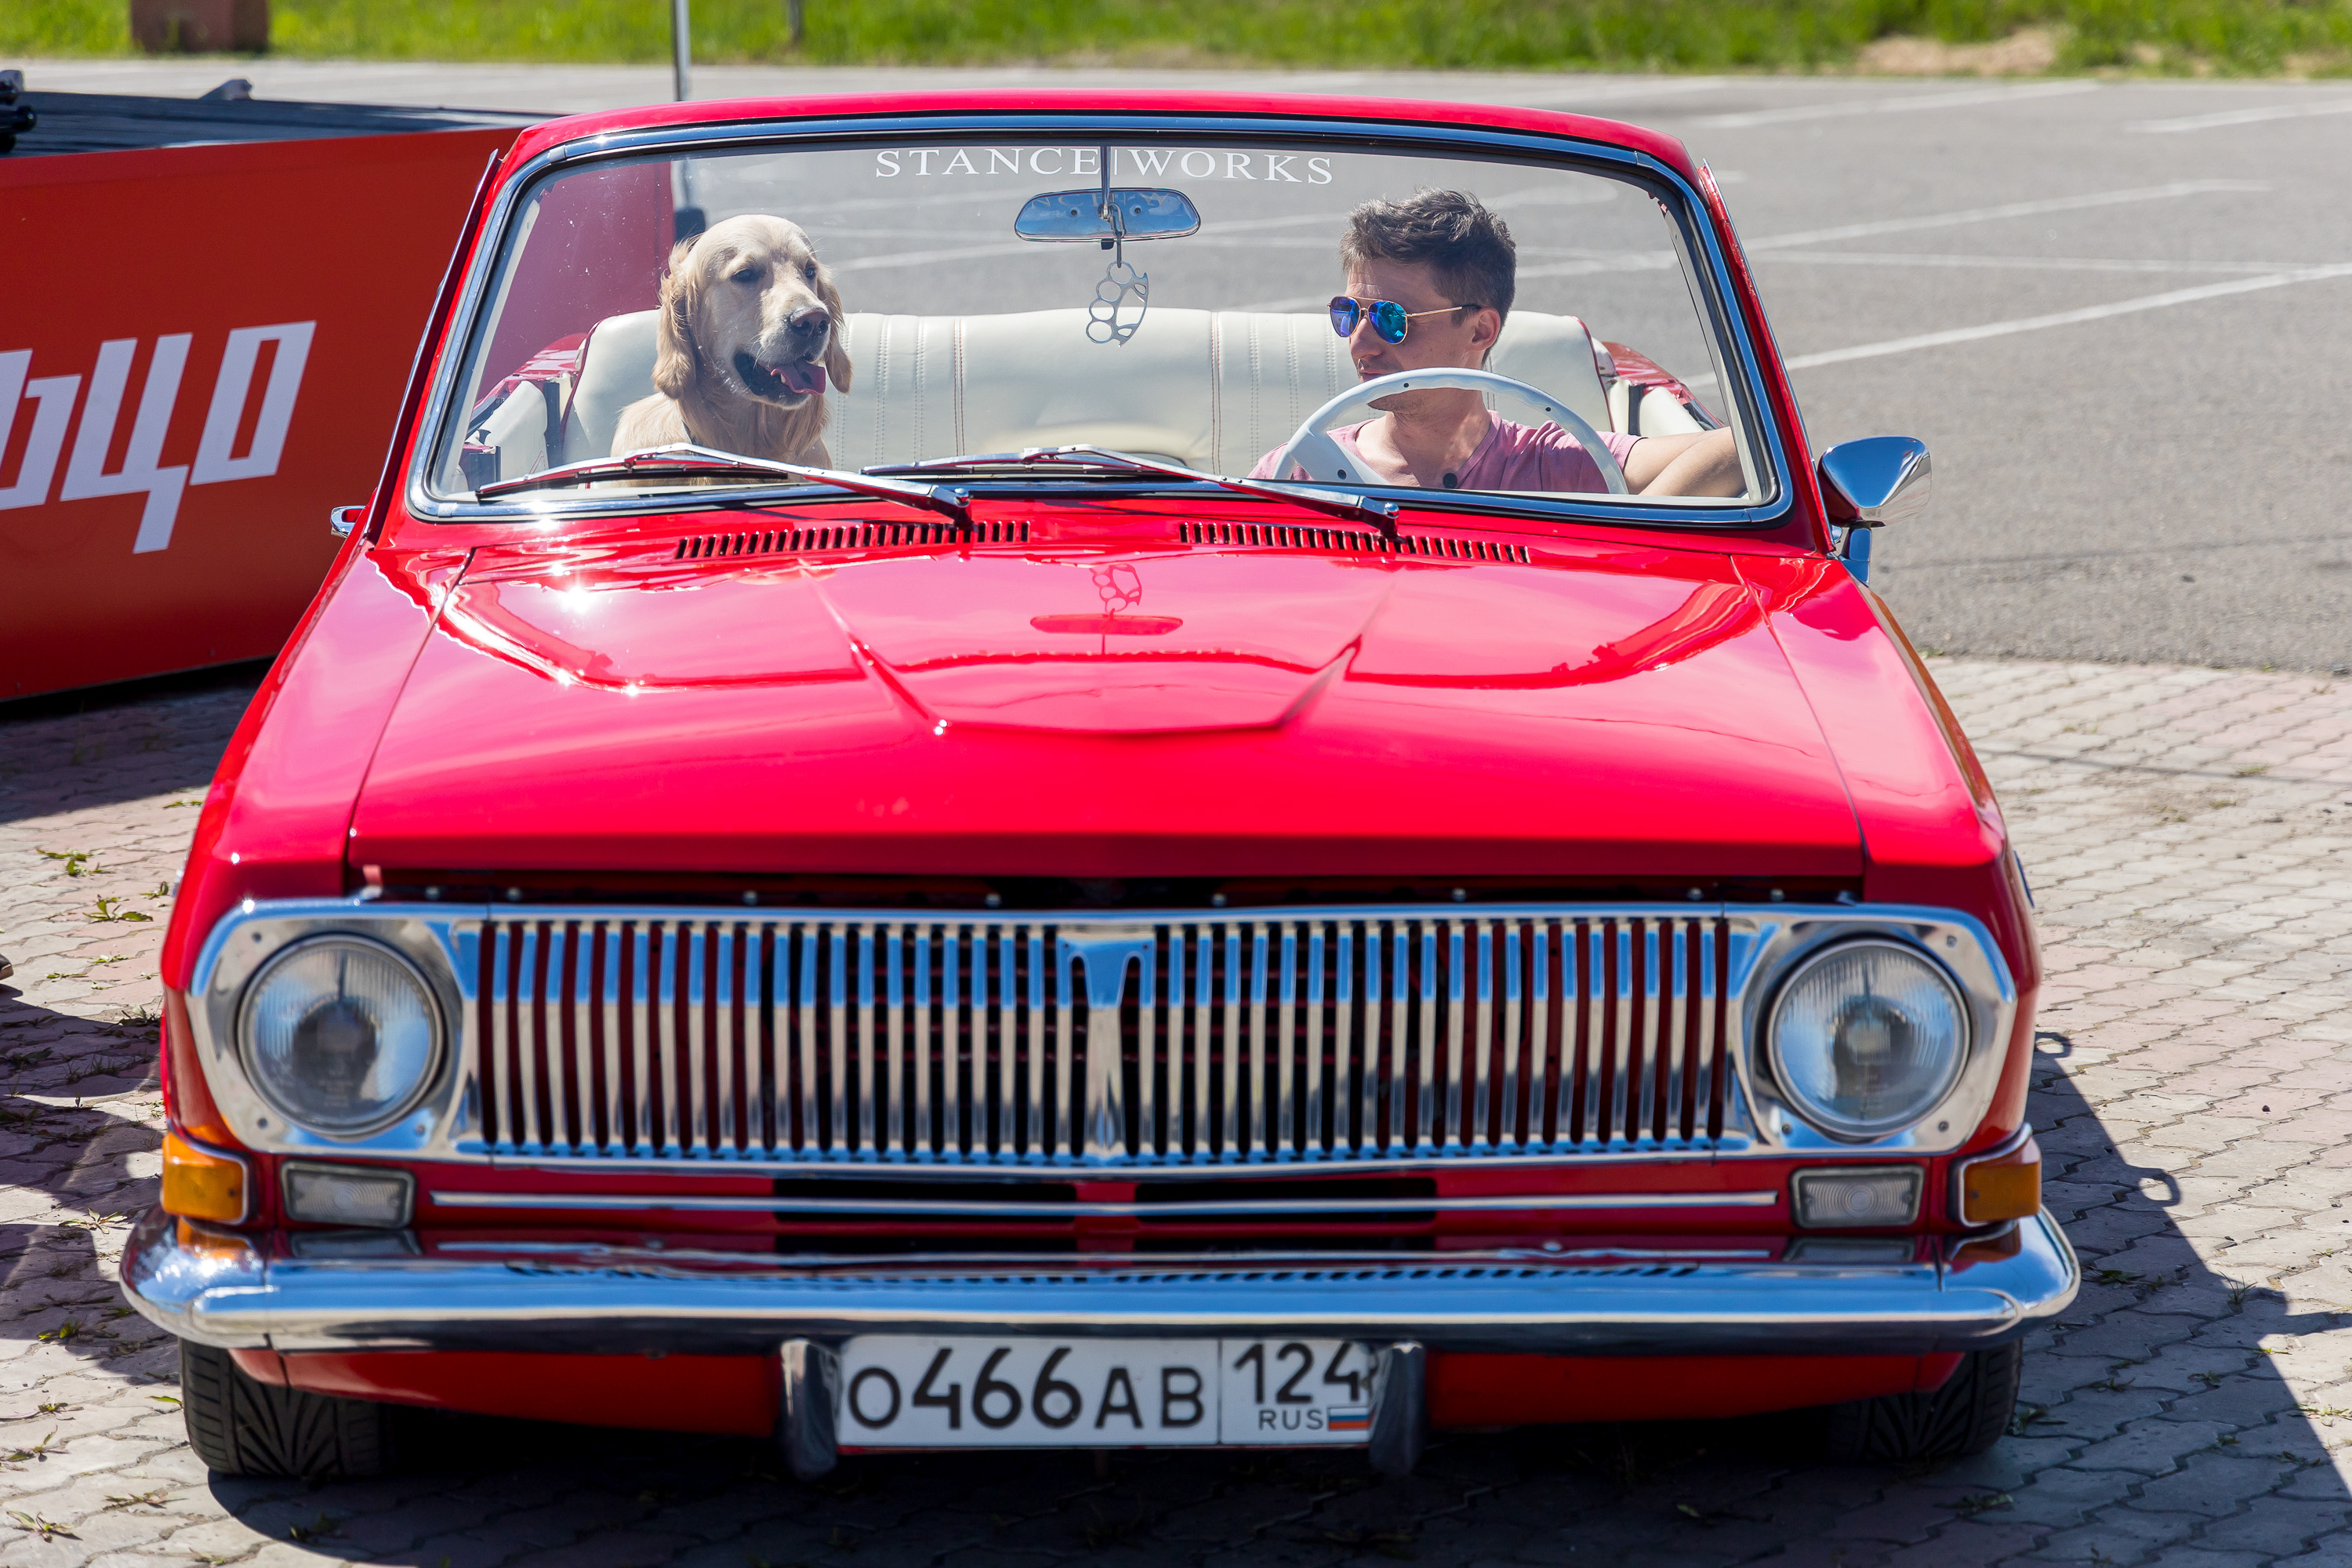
{"x":1585,"y":710}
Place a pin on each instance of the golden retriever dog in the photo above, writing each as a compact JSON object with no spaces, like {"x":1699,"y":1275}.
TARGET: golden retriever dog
{"x":749,"y":329}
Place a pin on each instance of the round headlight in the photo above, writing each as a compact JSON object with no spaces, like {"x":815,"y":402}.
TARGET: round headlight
{"x":340,"y":1033}
{"x":1867,"y":1039}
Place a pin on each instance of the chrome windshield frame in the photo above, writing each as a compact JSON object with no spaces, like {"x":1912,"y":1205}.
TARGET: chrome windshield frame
{"x":1687,"y":213}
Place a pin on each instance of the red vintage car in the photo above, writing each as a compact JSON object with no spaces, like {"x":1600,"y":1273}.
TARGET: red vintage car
{"x":901,"y":828}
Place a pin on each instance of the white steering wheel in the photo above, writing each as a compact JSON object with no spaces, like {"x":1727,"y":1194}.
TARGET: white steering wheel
{"x":1311,"y":449}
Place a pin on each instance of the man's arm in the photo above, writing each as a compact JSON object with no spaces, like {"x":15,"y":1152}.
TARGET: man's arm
{"x":1703,"y":465}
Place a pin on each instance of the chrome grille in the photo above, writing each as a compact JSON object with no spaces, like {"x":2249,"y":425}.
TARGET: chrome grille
{"x":1046,"y":1040}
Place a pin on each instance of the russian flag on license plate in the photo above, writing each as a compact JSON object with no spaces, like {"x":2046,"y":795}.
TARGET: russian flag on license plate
{"x":1357,"y":1420}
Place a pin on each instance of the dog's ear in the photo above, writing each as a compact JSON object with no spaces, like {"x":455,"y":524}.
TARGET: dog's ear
{"x":676,"y":363}
{"x":837,"y":348}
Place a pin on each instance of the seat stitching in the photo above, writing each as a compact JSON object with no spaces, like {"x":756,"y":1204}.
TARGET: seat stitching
{"x":922,"y":382}
{"x":882,"y":392}
{"x":1217,"y":390}
{"x":1258,"y":375}
{"x":1290,"y":350}
{"x":958,"y":391}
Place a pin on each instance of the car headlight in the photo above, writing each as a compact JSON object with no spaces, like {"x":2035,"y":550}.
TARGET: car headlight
{"x":340,"y":1034}
{"x":1867,"y":1037}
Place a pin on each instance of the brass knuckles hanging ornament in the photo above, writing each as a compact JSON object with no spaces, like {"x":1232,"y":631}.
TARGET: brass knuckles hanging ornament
{"x":1120,"y":283}
{"x":1121,"y":286}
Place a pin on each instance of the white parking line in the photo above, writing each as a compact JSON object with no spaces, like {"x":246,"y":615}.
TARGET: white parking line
{"x":919,"y":257}
{"x":1606,"y":261}
{"x":2223,"y":119}
{"x":2006,"y":210}
{"x":1908,"y":104}
{"x":1644,"y":262}
{"x":2028,"y":263}
{"x":2071,"y":317}
{"x":1569,"y":100}
{"x":1772,"y":244}
{"x":1582,"y":265}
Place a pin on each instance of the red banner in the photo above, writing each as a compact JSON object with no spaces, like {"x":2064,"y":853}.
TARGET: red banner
{"x":203,"y":351}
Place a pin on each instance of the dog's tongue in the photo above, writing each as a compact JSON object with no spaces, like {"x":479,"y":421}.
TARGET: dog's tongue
{"x":806,"y":377}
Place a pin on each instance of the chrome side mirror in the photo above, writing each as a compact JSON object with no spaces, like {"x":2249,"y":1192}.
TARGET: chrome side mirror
{"x":1867,"y":484}
{"x":342,"y":520}
{"x":1874,"y":481}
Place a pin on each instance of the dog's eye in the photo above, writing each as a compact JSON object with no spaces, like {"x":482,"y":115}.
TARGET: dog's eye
{"x":746,"y":275}
{"x":809,"y":271}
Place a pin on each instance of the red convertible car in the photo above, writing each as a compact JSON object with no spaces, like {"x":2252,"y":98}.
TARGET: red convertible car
{"x":1100,"y":770}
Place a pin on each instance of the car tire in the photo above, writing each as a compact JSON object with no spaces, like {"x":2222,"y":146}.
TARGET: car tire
{"x":240,"y":1426}
{"x":1967,"y":1416}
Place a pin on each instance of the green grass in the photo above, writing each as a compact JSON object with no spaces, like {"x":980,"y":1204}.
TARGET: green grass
{"x":64,"y":28}
{"x":2230,"y":36}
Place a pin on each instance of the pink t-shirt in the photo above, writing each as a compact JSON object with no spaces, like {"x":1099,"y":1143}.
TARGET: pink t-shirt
{"x":1512,"y":458}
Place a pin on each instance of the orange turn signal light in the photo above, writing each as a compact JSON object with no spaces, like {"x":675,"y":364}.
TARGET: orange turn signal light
{"x":2007,"y":1186}
{"x":217,"y":1248}
{"x":202,"y":1184}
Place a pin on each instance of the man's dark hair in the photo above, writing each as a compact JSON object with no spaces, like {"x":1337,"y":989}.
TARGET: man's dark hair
{"x":1466,"y":247}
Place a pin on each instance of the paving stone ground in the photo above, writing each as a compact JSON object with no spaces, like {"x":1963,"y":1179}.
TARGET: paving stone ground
{"x":2190,"y":836}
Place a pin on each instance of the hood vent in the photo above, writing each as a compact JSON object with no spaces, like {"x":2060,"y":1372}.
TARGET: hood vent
{"x":1435,"y":546}
{"x":852,"y":536}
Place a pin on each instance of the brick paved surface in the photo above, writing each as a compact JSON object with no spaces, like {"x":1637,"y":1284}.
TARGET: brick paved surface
{"x":2188,"y":832}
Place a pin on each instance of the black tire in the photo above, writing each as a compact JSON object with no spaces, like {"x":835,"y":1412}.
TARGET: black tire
{"x":241,"y":1427}
{"x":1967,"y":1416}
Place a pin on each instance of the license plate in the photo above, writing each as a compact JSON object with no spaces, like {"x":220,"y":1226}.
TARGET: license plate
{"x":918,"y":1392}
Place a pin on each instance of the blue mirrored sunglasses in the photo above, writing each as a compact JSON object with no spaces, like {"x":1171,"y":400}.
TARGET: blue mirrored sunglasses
{"x":1391,"y":320}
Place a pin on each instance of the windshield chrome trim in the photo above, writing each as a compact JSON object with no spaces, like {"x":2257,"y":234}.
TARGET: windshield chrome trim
{"x":421,"y":502}
{"x":658,"y":500}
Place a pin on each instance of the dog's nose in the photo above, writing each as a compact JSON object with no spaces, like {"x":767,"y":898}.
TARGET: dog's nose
{"x":808,"y":321}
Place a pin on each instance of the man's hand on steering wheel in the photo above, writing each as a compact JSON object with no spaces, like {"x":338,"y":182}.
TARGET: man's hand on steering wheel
{"x":1312,"y":448}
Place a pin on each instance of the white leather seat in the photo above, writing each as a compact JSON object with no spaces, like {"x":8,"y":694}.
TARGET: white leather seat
{"x":1555,"y":354}
{"x":517,"y":430}
{"x":616,"y":368}
{"x":1214,"y":390}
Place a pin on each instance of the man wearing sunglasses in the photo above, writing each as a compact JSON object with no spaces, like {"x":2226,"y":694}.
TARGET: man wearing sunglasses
{"x":1430,"y":282}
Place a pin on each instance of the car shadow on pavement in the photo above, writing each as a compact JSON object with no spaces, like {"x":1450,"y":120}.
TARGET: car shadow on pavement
{"x":2153,"y":1425}
{"x":78,"y":1162}
{"x":143,"y":738}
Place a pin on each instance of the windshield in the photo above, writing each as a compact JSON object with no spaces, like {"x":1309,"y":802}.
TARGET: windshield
{"x":1310,"y":313}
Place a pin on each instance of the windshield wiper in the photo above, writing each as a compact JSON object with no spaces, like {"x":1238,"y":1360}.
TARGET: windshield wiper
{"x":1381,"y":514}
{"x":686,"y":461}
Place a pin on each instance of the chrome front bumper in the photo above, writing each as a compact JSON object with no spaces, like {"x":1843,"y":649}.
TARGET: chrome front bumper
{"x":210,"y":1288}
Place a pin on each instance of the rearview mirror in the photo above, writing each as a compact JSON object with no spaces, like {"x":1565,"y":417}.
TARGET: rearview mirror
{"x":1102,"y":217}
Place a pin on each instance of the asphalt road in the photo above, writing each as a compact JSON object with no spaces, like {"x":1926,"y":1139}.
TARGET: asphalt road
{"x":2113,"y":309}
